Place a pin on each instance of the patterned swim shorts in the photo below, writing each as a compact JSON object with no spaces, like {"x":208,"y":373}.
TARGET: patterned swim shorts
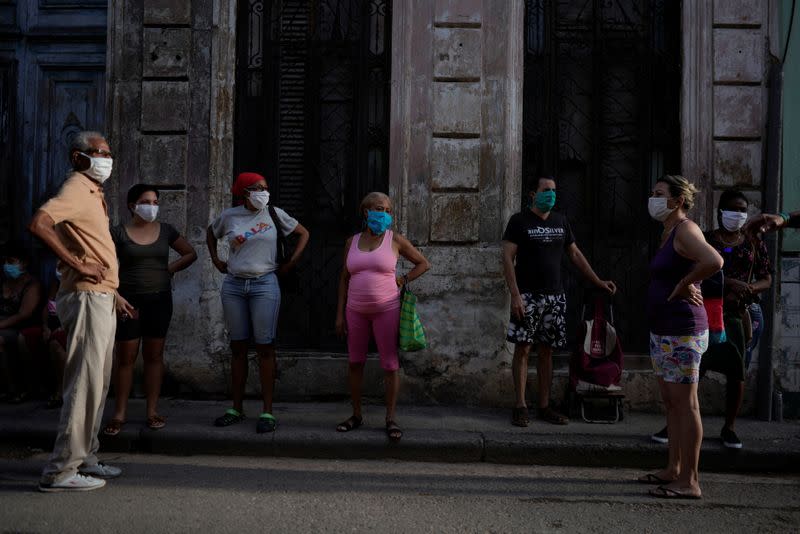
{"x":676,"y":359}
{"x":544,"y":322}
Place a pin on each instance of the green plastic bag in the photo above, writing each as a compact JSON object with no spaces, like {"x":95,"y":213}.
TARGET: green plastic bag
{"x":412,"y":336}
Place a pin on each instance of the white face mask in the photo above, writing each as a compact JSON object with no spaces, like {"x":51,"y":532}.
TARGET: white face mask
{"x":733,"y":220}
{"x":147,"y":212}
{"x":259,"y":199}
{"x":99,"y":168}
{"x":657,"y":207}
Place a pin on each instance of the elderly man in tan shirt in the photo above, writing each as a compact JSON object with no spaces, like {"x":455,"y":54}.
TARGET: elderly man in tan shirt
{"x":75,"y":225}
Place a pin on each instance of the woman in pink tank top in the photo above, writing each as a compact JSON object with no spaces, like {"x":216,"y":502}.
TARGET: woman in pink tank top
{"x":369,"y":303}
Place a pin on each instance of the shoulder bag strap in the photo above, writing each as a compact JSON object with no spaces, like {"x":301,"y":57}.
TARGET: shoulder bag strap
{"x":283,"y":246}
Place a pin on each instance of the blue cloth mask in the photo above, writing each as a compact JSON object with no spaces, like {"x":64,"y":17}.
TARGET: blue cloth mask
{"x":12,"y":271}
{"x":545,"y":200}
{"x":378,"y":221}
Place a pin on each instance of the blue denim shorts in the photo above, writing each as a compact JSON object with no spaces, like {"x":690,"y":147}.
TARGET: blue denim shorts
{"x":251,"y":307}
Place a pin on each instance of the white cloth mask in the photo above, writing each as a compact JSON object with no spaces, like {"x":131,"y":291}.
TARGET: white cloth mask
{"x":733,"y":220}
{"x":259,"y":199}
{"x":99,"y":168}
{"x":147,"y":212}
{"x":657,"y":207}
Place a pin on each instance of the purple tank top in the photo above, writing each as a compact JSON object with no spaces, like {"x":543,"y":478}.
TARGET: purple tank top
{"x":678,"y":317}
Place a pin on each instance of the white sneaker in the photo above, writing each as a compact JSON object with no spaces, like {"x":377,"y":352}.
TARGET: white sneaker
{"x":100,"y":470}
{"x":76,"y":482}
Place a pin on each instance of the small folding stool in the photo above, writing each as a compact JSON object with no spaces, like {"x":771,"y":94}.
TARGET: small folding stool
{"x":601,"y":406}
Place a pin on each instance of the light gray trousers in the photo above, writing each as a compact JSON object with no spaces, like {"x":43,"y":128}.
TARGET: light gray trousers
{"x":89,"y":319}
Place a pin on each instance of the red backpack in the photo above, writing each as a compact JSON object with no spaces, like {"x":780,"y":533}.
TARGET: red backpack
{"x":597,"y":359}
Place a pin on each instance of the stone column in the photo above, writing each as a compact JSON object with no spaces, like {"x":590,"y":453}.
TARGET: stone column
{"x":454,"y":172}
{"x":723,"y":115}
{"x":170,"y":80}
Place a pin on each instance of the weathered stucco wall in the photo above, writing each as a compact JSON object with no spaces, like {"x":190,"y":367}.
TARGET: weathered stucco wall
{"x":456,"y":114}
{"x":170,"y":73}
{"x":456,"y":141}
{"x":787,"y":357}
{"x":727,"y":46}
{"x":724,"y":99}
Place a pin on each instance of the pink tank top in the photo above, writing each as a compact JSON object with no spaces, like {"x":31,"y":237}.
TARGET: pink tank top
{"x":373,"y":286}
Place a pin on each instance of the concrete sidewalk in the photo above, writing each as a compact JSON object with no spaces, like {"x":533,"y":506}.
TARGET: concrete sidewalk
{"x":442,"y":434}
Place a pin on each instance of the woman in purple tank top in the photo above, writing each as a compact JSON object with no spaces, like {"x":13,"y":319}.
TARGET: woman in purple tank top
{"x":678,"y":331}
{"x":369,"y":303}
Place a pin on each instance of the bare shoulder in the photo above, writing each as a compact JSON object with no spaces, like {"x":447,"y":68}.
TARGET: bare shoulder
{"x":400,"y":240}
{"x":689,"y":235}
{"x":689,"y":228}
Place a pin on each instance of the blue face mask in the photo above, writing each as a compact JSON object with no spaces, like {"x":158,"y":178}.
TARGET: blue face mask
{"x":378,"y":221}
{"x":545,"y":200}
{"x":12,"y":271}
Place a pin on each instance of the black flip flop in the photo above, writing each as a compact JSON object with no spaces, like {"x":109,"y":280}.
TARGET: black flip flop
{"x":663,"y":492}
{"x":650,"y":478}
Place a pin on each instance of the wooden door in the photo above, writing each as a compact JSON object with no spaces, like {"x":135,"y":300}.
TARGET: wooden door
{"x":56,"y":88}
{"x":7,"y":94}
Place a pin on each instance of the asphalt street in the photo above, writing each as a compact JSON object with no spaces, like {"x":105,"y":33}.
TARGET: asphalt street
{"x":247,"y":494}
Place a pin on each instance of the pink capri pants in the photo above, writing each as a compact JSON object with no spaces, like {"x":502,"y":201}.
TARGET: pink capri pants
{"x":384,"y":326}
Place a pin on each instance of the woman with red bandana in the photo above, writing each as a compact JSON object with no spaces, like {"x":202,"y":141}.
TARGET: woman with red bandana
{"x":251,"y":296}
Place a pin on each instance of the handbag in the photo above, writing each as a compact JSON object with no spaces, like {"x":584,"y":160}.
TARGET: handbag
{"x":412,"y":335}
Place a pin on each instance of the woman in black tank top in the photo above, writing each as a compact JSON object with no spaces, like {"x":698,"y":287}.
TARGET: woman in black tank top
{"x":145,"y":282}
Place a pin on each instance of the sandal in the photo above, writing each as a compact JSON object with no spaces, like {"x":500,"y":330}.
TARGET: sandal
{"x":393,"y":431}
{"x":664,"y":492}
{"x":154,"y":422}
{"x":351,"y":423}
{"x":551,"y":416}
{"x":651,"y":478}
{"x":230,"y":417}
{"x":519,"y":416}
{"x":113,"y":427}
{"x":266,"y":423}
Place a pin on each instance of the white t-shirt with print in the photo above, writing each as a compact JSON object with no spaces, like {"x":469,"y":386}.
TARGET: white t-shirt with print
{"x":252,"y":238}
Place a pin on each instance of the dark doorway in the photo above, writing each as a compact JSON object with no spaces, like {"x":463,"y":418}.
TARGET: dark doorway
{"x":312,"y":115}
{"x":601,"y":112}
{"x":8,"y":85}
{"x":52,"y":85}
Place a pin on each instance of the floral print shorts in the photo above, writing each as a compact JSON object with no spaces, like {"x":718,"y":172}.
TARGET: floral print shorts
{"x":676,"y":359}
{"x":544,"y":322}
